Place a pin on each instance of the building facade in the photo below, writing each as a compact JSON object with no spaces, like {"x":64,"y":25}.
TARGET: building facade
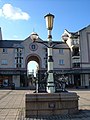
{"x":71,"y":58}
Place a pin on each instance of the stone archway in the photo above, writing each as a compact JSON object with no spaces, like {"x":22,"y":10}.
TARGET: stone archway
{"x":33,"y":57}
{"x":31,"y":78}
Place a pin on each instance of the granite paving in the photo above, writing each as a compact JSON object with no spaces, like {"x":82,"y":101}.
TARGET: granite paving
{"x":12,"y":106}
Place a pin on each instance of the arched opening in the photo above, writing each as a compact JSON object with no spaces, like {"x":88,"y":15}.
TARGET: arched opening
{"x":32,"y":68}
{"x":33,"y":63}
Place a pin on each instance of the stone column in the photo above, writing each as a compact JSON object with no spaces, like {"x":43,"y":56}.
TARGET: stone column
{"x":16,"y":80}
{"x":86,"y":80}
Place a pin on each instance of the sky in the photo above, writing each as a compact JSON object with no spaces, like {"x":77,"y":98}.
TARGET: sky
{"x":18,"y":18}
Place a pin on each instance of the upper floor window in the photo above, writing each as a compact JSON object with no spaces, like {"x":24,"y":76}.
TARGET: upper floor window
{"x":75,"y":51}
{"x":76,"y":65}
{"x":75,"y":41}
{"x":4,"y":50}
{"x":61,"y":61}
{"x":19,"y":52}
{"x":61,"y":51}
{"x":4,"y":62}
{"x":18,"y":57}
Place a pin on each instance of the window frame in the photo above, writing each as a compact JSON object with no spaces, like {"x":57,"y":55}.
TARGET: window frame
{"x":4,"y":50}
{"x":61,"y":51}
{"x":61,"y":62}
{"x":4,"y":62}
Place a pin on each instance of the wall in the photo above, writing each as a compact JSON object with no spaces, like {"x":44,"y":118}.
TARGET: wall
{"x":16,"y":80}
{"x":9,"y":56}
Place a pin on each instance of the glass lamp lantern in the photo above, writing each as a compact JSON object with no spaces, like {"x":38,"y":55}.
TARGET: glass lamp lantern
{"x":34,"y":36}
{"x":65,"y":37}
{"x":49,"y":21}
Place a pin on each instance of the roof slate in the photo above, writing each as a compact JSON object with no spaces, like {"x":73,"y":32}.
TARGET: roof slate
{"x":9,"y":43}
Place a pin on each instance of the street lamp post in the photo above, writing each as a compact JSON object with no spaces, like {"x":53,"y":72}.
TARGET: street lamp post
{"x":50,"y":80}
{"x":34,"y":36}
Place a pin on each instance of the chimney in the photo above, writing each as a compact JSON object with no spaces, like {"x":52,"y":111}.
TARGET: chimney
{"x":0,"y":34}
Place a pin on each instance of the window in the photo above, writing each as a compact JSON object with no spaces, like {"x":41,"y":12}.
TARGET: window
{"x":33,"y":46}
{"x":4,"y":62}
{"x":4,"y":50}
{"x":76,"y":65}
{"x":75,"y":41}
{"x":61,"y":51}
{"x":18,"y":57}
{"x":75,"y":51}
{"x":61,"y":62}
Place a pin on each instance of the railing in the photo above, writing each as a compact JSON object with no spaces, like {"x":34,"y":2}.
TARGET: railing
{"x":76,"y":60}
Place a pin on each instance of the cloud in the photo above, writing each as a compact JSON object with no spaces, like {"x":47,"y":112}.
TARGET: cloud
{"x":15,"y":36}
{"x":13,"y":13}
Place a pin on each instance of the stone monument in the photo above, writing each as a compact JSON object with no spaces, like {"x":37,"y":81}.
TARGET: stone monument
{"x":50,"y":103}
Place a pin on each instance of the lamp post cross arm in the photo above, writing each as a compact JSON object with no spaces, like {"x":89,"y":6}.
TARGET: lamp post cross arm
{"x":49,"y":44}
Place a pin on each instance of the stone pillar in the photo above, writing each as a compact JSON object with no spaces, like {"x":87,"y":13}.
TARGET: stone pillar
{"x":86,"y":80}
{"x":82,"y":80}
{"x":72,"y":79}
{"x":16,"y":80}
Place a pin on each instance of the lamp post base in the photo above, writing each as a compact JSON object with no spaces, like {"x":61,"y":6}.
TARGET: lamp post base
{"x":50,"y":89}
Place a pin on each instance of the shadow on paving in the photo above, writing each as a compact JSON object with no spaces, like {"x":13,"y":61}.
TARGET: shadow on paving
{"x":82,"y":114}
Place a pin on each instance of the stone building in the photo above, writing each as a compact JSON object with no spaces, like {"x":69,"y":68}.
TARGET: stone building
{"x":71,"y":58}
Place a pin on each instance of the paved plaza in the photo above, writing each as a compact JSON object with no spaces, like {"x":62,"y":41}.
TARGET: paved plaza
{"x":12,"y":105}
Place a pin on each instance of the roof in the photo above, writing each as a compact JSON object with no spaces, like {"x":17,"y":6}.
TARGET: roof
{"x":72,"y":33}
{"x":9,"y":43}
{"x":76,"y":33}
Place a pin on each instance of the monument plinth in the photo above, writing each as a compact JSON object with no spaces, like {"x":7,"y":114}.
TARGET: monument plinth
{"x":41,"y":104}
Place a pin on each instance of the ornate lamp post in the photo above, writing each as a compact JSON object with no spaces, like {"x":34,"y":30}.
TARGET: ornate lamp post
{"x":34,"y":36}
{"x":50,"y":81}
